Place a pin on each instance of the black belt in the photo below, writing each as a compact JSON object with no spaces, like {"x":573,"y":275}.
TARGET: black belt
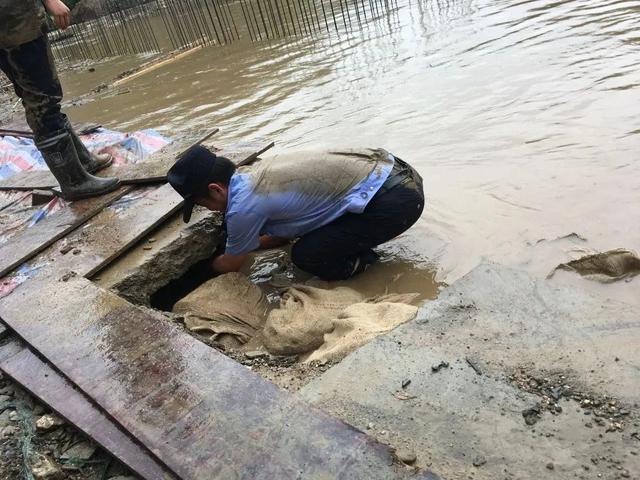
{"x":401,"y":173}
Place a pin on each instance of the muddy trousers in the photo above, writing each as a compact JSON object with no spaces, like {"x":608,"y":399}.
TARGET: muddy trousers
{"x":31,"y":69}
{"x":333,"y":252}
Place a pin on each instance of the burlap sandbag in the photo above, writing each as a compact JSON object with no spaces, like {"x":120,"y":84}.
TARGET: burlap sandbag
{"x":358,"y":324}
{"x":303,"y":318}
{"x":307,"y":313}
{"x":228,"y":304}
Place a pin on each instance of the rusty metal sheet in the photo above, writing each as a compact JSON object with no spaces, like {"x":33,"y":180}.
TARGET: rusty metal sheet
{"x":30,"y":241}
{"x":153,"y":170}
{"x":202,"y":414}
{"x":48,"y":386}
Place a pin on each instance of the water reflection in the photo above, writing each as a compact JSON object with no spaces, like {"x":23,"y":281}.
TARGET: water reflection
{"x":520,"y":115}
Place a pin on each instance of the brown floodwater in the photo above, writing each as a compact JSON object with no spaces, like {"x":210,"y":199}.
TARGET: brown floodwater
{"x":522,"y":117}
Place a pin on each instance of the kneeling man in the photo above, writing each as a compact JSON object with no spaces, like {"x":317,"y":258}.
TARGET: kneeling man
{"x":336,"y":205}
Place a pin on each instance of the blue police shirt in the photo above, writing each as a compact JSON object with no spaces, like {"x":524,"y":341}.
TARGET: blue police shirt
{"x":290,"y":212}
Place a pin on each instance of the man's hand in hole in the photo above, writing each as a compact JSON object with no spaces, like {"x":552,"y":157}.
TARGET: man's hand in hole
{"x":60,"y":13}
{"x":228,"y":263}
{"x":233,"y":263}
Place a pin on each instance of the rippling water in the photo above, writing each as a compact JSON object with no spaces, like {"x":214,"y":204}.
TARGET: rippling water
{"x":522,"y":116}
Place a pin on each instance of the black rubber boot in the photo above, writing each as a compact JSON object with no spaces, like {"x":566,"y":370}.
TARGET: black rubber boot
{"x":61,"y":157}
{"x":91,"y":162}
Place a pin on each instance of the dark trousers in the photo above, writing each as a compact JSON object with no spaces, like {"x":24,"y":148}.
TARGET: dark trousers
{"x":331,"y":252}
{"x":31,"y":69}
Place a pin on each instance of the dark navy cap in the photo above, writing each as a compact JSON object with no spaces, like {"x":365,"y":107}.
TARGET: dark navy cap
{"x":191,"y":175}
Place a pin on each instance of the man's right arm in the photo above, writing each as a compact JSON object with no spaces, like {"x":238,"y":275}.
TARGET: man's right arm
{"x":228,"y":263}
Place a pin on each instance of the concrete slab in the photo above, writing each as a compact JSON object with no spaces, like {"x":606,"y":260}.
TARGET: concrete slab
{"x":163,"y":255}
{"x":520,"y":350}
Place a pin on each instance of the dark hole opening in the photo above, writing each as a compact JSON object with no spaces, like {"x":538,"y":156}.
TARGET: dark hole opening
{"x":166,"y":297}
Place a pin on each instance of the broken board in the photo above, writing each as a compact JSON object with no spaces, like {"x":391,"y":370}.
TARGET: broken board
{"x":153,"y":170}
{"x":48,"y":386}
{"x":32,"y":240}
{"x":202,"y":414}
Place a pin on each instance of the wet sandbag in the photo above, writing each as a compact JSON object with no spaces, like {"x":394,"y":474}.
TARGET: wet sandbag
{"x":360,"y":323}
{"x":606,"y":266}
{"x":304,"y":316}
{"x":229,"y":304}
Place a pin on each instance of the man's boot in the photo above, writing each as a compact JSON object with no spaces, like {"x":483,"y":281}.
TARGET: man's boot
{"x":91,"y":162}
{"x":62,"y":159}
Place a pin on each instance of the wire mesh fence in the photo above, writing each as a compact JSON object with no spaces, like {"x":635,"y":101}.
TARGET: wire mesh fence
{"x":124,"y":27}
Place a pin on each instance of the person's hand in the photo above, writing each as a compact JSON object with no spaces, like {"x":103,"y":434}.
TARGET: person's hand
{"x":60,"y":12}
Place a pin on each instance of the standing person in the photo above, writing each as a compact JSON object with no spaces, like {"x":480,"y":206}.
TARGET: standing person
{"x":338,"y":206}
{"x":25,"y":57}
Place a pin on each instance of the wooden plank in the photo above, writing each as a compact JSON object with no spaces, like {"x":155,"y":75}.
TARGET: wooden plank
{"x":21,"y":129}
{"x":151,"y":171}
{"x":202,"y":414}
{"x":155,"y":64}
{"x":29,"y":180}
{"x":31,"y":241}
{"x":48,"y":386}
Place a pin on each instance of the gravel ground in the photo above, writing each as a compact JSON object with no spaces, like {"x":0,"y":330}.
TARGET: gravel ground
{"x":36,"y":444}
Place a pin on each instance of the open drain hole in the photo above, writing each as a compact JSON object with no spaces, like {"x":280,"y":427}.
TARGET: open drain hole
{"x":166,"y":297}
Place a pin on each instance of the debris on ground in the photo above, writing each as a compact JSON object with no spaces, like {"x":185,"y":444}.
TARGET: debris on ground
{"x":285,"y":371}
{"x":406,"y":456}
{"x":474,"y":365}
{"x":531,"y":415}
{"x":48,"y":422}
{"x":68,"y":276}
{"x":46,"y":469}
{"x":437,"y":367}
{"x":403,"y":395}
{"x":604,"y":412}
{"x":479,"y":461}
{"x":80,"y":452}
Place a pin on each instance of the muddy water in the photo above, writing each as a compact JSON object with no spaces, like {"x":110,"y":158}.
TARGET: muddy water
{"x":522,"y":116}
